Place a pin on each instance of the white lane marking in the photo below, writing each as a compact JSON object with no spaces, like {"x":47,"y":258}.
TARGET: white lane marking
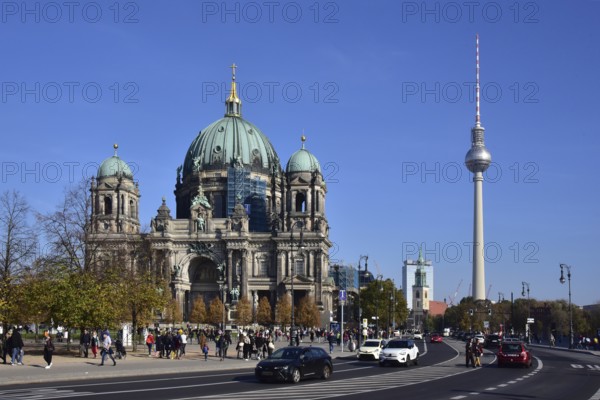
{"x":503,"y":385}
{"x":457,"y":397}
{"x":491,"y":388}
{"x":596,"y":396}
{"x":512,"y":381}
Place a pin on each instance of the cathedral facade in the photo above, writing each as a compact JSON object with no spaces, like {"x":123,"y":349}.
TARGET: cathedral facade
{"x":243,"y":225}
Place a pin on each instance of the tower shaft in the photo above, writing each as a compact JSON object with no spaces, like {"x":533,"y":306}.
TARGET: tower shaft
{"x":478,"y":243}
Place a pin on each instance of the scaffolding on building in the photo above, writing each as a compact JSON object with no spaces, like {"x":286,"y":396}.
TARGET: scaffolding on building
{"x":251,"y":192}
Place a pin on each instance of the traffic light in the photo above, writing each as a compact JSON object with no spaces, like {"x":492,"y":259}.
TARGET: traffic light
{"x":471,"y":312}
{"x":490,"y":311}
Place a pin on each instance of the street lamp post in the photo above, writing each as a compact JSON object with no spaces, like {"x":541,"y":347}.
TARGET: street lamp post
{"x":366,"y":258}
{"x":526,"y":284}
{"x":562,"y":280}
{"x":379,"y":285}
{"x":293,"y":272}
{"x":222,"y":289}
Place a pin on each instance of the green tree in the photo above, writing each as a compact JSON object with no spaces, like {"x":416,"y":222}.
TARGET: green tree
{"x":264,"y":313}
{"x":17,"y":252}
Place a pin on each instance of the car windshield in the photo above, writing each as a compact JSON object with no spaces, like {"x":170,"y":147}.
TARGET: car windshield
{"x":286,"y":354}
{"x":371,"y":343}
{"x":511,"y":348}
{"x":398,"y":344}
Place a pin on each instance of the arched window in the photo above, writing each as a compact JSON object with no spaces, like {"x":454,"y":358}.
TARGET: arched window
{"x":132,"y":208}
{"x":107,"y":205}
{"x":122,"y":204}
{"x":300,"y":202}
{"x":417,"y":294}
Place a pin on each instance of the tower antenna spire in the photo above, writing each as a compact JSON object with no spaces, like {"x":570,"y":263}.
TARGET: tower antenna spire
{"x":477,"y":111}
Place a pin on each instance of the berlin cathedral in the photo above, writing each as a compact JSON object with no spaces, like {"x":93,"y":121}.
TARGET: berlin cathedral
{"x":241,"y":220}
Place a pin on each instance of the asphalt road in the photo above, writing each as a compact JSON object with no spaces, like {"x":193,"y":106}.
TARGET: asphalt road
{"x":441,"y":374}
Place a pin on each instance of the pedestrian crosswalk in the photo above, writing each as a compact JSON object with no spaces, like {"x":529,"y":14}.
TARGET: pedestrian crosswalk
{"x":41,"y":394}
{"x":345,"y":387}
{"x":589,"y":367}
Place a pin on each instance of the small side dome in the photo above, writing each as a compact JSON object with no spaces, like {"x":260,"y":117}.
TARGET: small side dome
{"x":114,"y":166}
{"x":303,"y":161}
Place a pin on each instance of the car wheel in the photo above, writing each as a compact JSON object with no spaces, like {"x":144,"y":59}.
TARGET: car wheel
{"x":407,"y":361}
{"x":326,"y":372}
{"x":416,"y":362}
{"x":295,"y":375}
{"x":381,"y":364}
{"x":500,"y":365}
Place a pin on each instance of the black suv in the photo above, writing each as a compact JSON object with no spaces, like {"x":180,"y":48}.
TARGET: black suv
{"x":493,"y":341}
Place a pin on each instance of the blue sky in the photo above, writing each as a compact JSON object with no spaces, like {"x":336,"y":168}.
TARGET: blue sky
{"x":384,"y":92}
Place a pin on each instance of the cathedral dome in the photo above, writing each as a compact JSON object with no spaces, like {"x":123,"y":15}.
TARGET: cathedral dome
{"x":303,"y":161}
{"x":230,"y":140}
{"x":114,"y":166}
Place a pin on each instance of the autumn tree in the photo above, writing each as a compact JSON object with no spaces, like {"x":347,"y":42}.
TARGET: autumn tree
{"x":198,"y":314}
{"x":244,"y":312}
{"x":307,"y":313}
{"x":215,"y":311}
{"x":173,"y":314}
{"x":17,"y":251}
{"x":283,"y":311}
{"x":264,"y":313}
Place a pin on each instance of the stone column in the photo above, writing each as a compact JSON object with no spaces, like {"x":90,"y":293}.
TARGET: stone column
{"x":229,"y":268}
{"x":244,"y":254}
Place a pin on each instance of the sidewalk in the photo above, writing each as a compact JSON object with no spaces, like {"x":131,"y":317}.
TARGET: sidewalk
{"x":69,"y":367}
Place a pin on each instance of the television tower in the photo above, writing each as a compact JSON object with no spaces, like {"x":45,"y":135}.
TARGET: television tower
{"x":477,"y":160}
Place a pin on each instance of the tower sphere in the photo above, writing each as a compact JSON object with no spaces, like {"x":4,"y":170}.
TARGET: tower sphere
{"x":478,"y":159}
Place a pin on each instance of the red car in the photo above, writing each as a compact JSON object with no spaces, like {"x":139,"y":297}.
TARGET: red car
{"x":514,"y":353}
{"x":435,"y":338}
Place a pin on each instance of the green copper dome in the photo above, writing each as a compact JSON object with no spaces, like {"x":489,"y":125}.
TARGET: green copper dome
{"x":303,"y":161}
{"x":114,"y":166}
{"x":231,"y":141}
{"x":228,"y":141}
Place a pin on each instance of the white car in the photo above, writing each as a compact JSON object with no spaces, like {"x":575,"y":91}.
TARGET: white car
{"x":479,"y":338}
{"x":399,"y":351}
{"x":370,"y":349}
{"x":417,"y":335}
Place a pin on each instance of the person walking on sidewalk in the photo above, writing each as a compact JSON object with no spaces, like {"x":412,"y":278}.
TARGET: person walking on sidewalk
{"x":150,"y":343}
{"x":107,"y":348}
{"x":84,"y":343}
{"x":48,"y":349}
{"x":94,"y":342}
{"x":17,"y":347}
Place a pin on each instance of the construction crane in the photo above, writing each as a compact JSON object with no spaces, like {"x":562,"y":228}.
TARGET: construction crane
{"x":487,"y":295}
{"x":453,"y":297}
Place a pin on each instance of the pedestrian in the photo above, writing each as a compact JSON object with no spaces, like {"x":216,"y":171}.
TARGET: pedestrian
{"x":205,"y":350}
{"x":150,"y":343}
{"x":477,"y":352}
{"x":270,"y":346}
{"x":107,"y":348}
{"x":184,"y":338}
{"x":4,"y":351}
{"x":469,"y":353}
{"x":48,"y":349}
{"x":94,"y":342}
{"x":552,"y":340}
{"x":16,"y":344}
{"x":247,"y":346}
{"x":84,"y":343}
{"x":331,"y":340}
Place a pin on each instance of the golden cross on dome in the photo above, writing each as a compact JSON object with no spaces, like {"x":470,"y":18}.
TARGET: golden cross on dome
{"x":233,"y":67}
